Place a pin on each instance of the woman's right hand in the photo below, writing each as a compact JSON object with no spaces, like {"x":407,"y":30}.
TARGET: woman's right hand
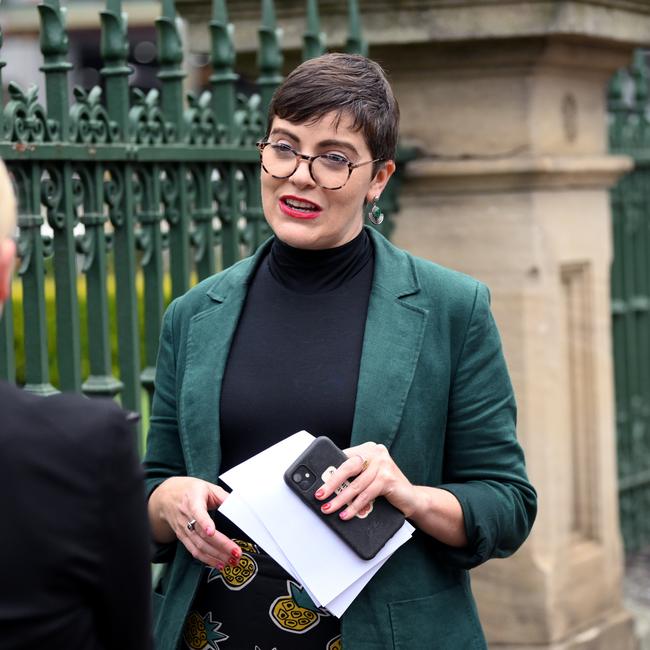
{"x":181,"y":499}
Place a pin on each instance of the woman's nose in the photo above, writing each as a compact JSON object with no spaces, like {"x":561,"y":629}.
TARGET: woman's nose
{"x":302,"y":176}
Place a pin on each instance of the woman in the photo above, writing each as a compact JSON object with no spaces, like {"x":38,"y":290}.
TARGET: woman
{"x":330,"y":328}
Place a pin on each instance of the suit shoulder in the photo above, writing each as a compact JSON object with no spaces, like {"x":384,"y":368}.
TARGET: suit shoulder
{"x":19,"y":400}
{"x":73,"y":405}
{"x":62,"y":419}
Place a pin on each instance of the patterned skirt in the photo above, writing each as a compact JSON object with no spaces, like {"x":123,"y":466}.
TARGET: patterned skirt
{"x":256,"y":606}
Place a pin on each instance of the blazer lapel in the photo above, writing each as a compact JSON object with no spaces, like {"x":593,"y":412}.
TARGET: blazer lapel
{"x":208,"y":346}
{"x":391,"y":346}
{"x":392,"y":342}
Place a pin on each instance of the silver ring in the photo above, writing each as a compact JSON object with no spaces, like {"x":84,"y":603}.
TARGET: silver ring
{"x":191,"y":524}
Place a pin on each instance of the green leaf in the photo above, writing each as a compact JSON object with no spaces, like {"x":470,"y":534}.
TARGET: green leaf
{"x":151,"y":100}
{"x":80,"y":94}
{"x":16,"y":92}
{"x":205,"y":99}
{"x":32,"y":95}
{"x":138,"y":96}
{"x":94,"y":96}
{"x":301,"y":597}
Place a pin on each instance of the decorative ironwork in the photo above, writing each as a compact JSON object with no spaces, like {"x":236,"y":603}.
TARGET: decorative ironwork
{"x":25,"y":120}
{"x":314,"y":39}
{"x":121,"y":186}
{"x":89,"y":122}
{"x":249,"y":120}
{"x":222,"y":57}
{"x":270,"y":56}
{"x":201,"y":126}
{"x":147,"y":122}
{"x":629,"y":132}
{"x":356,"y":43}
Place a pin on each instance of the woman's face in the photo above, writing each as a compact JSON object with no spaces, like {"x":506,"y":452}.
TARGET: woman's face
{"x":305,"y":215}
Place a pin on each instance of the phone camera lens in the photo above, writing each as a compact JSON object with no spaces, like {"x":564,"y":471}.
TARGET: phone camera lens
{"x":304,"y":477}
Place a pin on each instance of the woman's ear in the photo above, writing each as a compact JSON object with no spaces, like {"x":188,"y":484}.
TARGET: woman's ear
{"x":382,"y":177}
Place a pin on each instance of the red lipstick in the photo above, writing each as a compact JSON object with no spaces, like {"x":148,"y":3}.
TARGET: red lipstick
{"x":298,"y":207}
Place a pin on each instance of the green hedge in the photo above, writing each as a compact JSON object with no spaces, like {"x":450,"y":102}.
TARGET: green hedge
{"x":50,"y":307}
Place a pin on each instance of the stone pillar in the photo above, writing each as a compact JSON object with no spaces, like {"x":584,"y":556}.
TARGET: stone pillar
{"x":506,"y":100}
{"x":537,"y":231}
{"x":513,"y":189}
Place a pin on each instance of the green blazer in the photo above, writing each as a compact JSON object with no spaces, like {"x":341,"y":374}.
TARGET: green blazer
{"x":433,"y":387}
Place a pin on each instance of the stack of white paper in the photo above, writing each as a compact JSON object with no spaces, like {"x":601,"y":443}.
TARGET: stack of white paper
{"x":264,"y":507}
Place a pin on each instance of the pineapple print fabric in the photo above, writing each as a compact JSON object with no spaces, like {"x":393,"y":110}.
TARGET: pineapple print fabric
{"x":202,"y":633}
{"x":258,"y":606}
{"x":295,"y":611}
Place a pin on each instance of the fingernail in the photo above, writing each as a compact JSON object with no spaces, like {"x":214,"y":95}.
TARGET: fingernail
{"x":344,"y":514}
{"x":235,"y":552}
{"x":233,"y":561}
{"x":220,"y":566}
{"x":326,"y":506}
{"x":319,"y":493}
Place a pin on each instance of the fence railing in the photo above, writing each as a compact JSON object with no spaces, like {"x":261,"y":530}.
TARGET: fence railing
{"x":133,"y":185}
{"x":629,"y":106}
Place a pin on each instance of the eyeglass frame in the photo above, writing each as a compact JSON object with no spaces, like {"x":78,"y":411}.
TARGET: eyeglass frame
{"x":261,"y":145}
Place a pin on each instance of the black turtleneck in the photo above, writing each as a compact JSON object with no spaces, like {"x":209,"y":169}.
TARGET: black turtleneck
{"x":294,"y":360}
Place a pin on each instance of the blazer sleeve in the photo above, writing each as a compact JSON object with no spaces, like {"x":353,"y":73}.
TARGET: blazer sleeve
{"x":164,"y":456}
{"x":124,"y":612}
{"x":483,"y":462}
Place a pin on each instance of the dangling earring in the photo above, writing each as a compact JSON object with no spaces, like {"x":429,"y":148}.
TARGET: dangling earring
{"x":375,"y":214}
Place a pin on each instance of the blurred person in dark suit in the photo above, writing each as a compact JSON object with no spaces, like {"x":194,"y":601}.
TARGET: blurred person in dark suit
{"x":75,"y":545}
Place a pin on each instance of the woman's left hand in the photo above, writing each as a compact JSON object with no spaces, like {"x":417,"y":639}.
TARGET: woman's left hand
{"x":376,"y":475}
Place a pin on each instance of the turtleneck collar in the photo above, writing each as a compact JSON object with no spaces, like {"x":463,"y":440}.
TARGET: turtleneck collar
{"x":318,"y":271}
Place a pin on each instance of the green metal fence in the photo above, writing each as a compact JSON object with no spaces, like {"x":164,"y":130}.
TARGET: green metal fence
{"x":629,"y":107}
{"x":159,"y":183}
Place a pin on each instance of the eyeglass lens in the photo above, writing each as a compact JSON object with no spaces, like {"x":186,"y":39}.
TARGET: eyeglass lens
{"x":330,"y":172}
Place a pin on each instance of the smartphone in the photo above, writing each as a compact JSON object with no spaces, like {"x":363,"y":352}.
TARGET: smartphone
{"x":368,"y":531}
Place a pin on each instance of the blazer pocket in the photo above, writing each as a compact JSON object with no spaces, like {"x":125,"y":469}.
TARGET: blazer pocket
{"x":445,"y":621}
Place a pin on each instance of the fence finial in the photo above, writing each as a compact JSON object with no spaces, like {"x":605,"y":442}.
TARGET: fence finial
{"x":168,"y":9}
{"x":170,"y":46}
{"x":270,"y":57}
{"x":355,"y":43}
{"x":641,"y":133}
{"x":223,"y":77}
{"x":114,"y":48}
{"x":223,"y":48}
{"x":54,"y":47}
{"x":640,"y":76}
{"x":314,"y":39}
{"x":171,"y":75}
{"x":219,"y":11}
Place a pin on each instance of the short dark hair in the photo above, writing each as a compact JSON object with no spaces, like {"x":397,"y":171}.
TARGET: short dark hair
{"x":345,"y":84}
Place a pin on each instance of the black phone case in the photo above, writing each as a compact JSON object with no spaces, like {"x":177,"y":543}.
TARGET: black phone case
{"x":366,"y":536}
